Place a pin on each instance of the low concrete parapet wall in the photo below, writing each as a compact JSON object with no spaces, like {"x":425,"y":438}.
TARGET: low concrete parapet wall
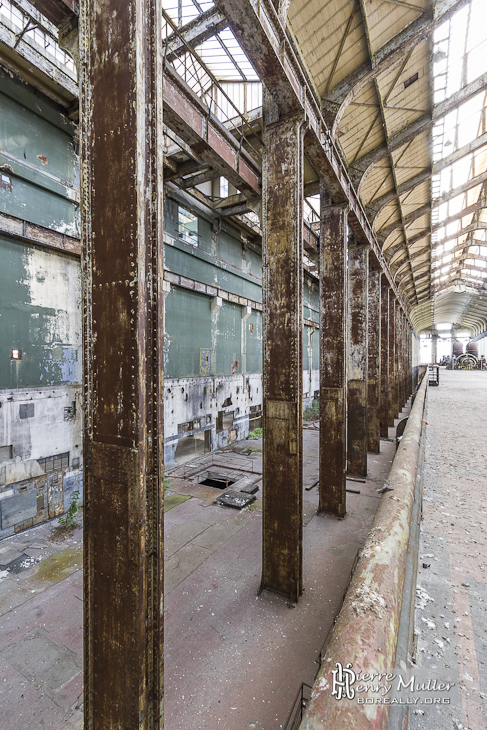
{"x":364,"y":639}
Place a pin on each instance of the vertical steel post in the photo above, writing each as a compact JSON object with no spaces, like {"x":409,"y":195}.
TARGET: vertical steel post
{"x":397,"y":357}
{"x":333,"y":356}
{"x":401,"y":360}
{"x":404,"y":345}
{"x":374,"y":363}
{"x":434,"y":348}
{"x":122,"y":197}
{"x":384,"y":358}
{"x":392,"y":368}
{"x":358,"y":270}
{"x":282,"y":199}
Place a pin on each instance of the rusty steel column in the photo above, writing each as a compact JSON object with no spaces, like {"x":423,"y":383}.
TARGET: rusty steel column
{"x":412,"y":364}
{"x":392,"y":369}
{"x":358,"y":270}
{"x":333,"y":356}
{"x":122,"y":197}
{"x":404,"y":346}
{"x":434,"y":349}
{"x":373,"y":363}
{"x":282,"y":199}
{"x":397,"y":357}
{"x":384,"y":358}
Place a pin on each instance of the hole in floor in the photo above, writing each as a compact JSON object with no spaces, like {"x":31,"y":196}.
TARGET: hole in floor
{"x":218,"y":482}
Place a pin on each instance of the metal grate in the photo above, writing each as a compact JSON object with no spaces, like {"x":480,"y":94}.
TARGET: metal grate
{"x":299,"y":707}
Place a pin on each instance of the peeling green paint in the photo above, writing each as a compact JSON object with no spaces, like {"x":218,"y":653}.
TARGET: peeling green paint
{"x":40,"y":314}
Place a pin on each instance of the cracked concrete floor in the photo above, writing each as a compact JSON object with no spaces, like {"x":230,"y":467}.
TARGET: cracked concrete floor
{"x":234,"y":660}
{"x":451,"y":607}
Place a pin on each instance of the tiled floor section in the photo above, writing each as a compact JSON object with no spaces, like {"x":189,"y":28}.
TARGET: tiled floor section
{"x":451,"y":612}
{"x":234,"y":659}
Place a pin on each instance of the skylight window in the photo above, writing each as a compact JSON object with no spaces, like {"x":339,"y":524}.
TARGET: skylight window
{"x":459,"y":57}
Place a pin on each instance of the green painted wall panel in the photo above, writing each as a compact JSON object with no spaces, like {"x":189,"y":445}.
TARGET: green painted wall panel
{"x":255,"y":263}
{"x":193,"y":264}
{"x":38,"y":205}
{"x":229,"y":249}
{"x":306,"y":348}
{"x":188,"y":328}
{"x":29,"y":137}
{"x":35,"y":101}
{"x":227,"y":335}
{"x":315,"y":344}
{"x":40,"y":314}
{"x":254,"y":342}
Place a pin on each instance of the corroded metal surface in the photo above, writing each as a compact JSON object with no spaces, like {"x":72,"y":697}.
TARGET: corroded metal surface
{"x":373,"y":362}
{"x":384,"y":359}
{"x":391,"y":381}
{"x":358,"y":270}
{"x":333,"y":356}
{"x":122,"y":193}
{"x":282,"y":356}
{"x":397,"y":358}
{"x":365,"y":634}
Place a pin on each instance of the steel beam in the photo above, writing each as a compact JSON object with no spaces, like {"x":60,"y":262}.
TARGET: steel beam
{"x":337,"y":101}
{"x":373,"y":362}
{"x":333,"y":355}
{"x":194,"y":33}
{"x":463,"y":188}
{"x":384,"y":358}
{"x":375,"y":206}
{"x":358,"y":272}
{"x":122,"y":207}
{"x":392,"y":366}
{"x":210,"y":141}
{"x":272,"y":52}
{"x":57,"y":12}
{"x":282,"y":253}
{"x":384,"y":233}
{"x":360,"y":169}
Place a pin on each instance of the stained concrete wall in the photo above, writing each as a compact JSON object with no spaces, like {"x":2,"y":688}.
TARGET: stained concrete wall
{"x":213,"y":340}
{"x":40,"y":312}
{"x":36,"y":424}
{"x":40,"y":315}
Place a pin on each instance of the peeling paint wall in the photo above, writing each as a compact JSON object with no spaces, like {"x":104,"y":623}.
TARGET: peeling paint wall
{"x":38,"y":161}
{"x":208,"y":326}
{"x":36,"y":424}
{"x":213,"y":340}
{"x":40,"y":313}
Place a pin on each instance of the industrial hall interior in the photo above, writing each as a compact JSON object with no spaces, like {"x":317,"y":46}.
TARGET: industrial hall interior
{"x":243,"y":364}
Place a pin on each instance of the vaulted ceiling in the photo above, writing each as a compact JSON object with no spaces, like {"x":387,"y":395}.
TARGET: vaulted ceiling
{"x":399,"y":83}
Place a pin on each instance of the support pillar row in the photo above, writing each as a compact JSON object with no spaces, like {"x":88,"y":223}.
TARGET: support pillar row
{"x":333,"y":357}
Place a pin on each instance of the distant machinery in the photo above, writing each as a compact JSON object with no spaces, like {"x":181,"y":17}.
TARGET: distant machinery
{"x":468,"y":360}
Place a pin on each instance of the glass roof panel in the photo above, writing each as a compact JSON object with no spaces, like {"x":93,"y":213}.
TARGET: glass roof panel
{"x":459,"y":56}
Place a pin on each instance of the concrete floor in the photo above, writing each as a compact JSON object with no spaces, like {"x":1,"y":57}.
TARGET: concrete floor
{"x":234,"y":659}
{"x":451,"y":609}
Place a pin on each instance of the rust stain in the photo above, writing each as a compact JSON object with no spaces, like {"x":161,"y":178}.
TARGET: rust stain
{"x":333,"y":365}
{"x":282,"y":357}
